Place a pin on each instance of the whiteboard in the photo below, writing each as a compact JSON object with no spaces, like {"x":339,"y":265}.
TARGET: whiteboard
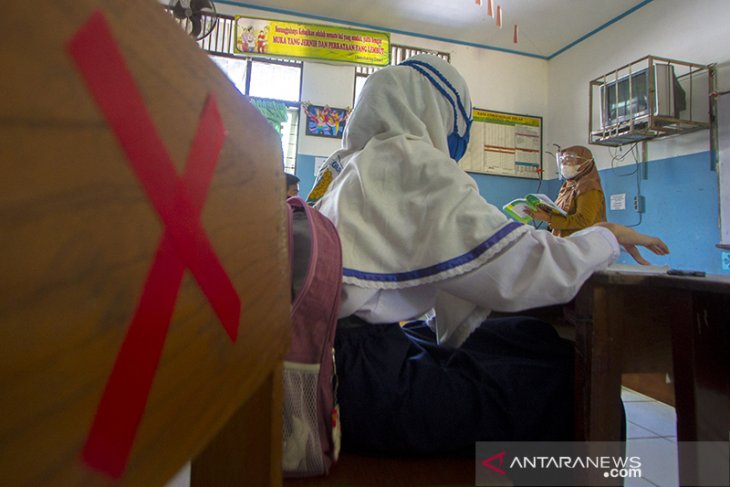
{"x":506,"y":144}
{"x":723,"y":167}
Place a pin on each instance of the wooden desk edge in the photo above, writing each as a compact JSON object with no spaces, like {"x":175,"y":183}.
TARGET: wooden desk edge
{"x":716,"y":283}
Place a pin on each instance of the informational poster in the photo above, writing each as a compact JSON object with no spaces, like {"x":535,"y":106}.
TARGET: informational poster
{"x":262,"y":37}
{"x":505,"y":144}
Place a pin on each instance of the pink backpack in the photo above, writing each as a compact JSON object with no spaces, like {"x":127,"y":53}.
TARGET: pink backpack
{"x":311,"y":414}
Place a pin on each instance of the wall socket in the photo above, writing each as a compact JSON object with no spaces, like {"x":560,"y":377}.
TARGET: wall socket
{"x":639,"y":204}
{"x":726,"y":261}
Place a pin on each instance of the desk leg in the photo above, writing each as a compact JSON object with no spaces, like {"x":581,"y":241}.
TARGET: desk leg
{"x":247,"y":451}
{"x":700,"y":342}
{"x":599,"y":332}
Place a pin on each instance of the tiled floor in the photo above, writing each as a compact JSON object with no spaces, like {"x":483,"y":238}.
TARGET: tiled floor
{"x":652,"y":435}
{"x":182,"y":479}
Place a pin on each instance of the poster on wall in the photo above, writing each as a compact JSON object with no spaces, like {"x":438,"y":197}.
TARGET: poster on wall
{"x":325,"y":121}
{"x":504,"y":144}
{"x":262,"y":37}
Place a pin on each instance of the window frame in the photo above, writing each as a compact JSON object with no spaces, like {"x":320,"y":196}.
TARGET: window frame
{"x":220,"y":43}
{"x":398,"y":54}
{"x":290,"y":156}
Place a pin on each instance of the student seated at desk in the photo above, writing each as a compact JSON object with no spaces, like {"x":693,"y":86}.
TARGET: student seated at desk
{"x":417,"y":235}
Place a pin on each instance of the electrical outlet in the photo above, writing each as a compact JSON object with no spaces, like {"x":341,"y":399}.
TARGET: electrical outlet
{"x":639,"y":204}
{"x":726,"y":261}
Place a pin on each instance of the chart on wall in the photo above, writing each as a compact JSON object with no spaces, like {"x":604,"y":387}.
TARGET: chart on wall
{"x":505,"y":144}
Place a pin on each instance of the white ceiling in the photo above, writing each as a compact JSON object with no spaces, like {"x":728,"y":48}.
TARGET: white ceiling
{"x":546,"y":27}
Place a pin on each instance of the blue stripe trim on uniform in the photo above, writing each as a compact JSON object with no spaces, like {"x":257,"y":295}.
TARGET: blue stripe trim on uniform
{"x":413,"y":63}
{"x":437,"y":268}
{"x":441,"y":89}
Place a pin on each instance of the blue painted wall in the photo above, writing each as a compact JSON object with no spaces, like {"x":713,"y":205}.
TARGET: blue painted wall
{"x":305,"y":172}
{"x":681,"y":204}
{"x":496,"y":189}
{"x":681,"y":208}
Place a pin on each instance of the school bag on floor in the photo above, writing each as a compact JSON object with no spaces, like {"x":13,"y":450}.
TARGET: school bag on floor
{"x":311,"y":415}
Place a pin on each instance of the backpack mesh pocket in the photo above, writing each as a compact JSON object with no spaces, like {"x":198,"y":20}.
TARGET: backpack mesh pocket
{"x":302,"y":445}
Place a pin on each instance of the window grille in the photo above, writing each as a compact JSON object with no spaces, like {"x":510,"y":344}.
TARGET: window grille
{"x":221,"y":41}
{"x":219,"y":44}
{"x":398,"y":54}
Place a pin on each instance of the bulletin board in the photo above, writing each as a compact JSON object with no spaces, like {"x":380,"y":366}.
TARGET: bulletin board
{"x":505,"y":144}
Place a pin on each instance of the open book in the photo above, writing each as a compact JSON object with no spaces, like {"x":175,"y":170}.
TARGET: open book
{"x":516,"y":208}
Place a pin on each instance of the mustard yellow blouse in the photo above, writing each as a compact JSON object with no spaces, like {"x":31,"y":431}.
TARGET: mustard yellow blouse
{"x":587,"y":208}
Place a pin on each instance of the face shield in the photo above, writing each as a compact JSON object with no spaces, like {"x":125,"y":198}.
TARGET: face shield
{"x":570,"y":164}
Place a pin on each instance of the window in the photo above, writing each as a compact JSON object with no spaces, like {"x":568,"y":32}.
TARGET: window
{"x":270,"y":80}
{"x":397,"y":55}
{"x":279,"y":81}
{"x":276,"y":81}
{"x":266,"y":81}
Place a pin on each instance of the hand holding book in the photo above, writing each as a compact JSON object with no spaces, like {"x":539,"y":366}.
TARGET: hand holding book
{"x":533,"y":206}
{"x":541,"y":213}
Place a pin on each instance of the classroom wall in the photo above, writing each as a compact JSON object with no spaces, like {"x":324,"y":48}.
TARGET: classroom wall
{"x":679,"y":187}
{"x":497,"y":80}
{"x":557,"y":90}
{"x":681,"y":207}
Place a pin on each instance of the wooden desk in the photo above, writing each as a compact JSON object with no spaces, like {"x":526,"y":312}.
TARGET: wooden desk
{"x":132,"y":169}
{"x":630,"y":321}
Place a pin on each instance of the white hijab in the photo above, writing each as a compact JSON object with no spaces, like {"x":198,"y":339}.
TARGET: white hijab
{"x":406,"y":213}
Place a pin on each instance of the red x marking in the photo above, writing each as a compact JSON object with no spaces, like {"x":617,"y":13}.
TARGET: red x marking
{"x":178,"y":202}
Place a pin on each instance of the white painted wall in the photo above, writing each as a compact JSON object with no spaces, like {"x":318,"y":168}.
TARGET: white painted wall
{"x":497,"y":80}
{"x":696,"y":32}
{"x":557,"y":89}
{"x":325,"y":84}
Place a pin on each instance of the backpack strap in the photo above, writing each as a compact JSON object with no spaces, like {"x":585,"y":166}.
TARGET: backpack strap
{"x":290,"y":223}
{"x":311,"y":414}
{"x":317,"y":281}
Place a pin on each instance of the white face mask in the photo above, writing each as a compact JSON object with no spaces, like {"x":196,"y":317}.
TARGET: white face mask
{"x":569,"y":172}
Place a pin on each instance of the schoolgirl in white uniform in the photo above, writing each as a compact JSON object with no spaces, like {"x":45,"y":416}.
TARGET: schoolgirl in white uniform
{"x":417,"y":236}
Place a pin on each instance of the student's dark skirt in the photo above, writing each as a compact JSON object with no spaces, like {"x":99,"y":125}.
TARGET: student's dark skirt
{"x":401,"y":393}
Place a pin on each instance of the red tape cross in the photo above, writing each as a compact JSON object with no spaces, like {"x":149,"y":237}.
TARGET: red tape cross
{"x":179,"y":202}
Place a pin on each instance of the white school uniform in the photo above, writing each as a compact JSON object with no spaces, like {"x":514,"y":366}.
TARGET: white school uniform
{"x":416,"y":234}
{"x":538,"y":269}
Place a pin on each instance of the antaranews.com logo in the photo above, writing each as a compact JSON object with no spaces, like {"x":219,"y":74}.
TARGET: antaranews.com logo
{"x":614,"y":467}
{"x":588,"y":463}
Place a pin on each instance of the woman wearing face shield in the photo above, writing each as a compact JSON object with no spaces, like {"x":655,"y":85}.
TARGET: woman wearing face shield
{"x":418,"y":238}
{"x":581,"y":195}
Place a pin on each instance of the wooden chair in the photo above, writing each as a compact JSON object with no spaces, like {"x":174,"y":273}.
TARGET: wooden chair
{"x":116,"y":205}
